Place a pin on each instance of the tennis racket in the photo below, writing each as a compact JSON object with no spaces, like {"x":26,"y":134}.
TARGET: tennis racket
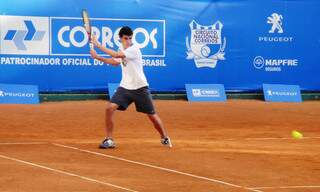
{"x":87,"y":26}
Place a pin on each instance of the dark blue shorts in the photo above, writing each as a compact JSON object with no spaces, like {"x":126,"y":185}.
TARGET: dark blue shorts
{"x":140,"y":97}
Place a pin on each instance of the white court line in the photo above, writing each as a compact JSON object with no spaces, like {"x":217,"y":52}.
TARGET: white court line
{"x":158,"y":167}
{"x":287,"y":187}
{"x":66,"y":173}
{"x":272,"y":138}
{"x":24,"y":143}
{"x":231,"y":139}
{"x":256,"y":190}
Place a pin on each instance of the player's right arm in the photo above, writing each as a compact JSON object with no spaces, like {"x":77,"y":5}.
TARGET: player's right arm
{"x":111,"y":61}
{"x":110,"y":52}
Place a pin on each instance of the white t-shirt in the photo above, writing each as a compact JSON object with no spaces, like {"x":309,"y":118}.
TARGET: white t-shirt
{"x":132,"y":69}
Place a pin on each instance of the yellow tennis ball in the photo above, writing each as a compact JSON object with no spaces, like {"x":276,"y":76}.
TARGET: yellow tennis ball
{"x":296,"y":135}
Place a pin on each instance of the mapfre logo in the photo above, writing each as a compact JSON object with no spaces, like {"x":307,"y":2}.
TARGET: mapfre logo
{"x":274,"y":65}
{"x":24,"y":35}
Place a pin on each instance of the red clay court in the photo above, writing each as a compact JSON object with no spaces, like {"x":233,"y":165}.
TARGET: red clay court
{"x":235,"y":82}
{"x":240,"y":145}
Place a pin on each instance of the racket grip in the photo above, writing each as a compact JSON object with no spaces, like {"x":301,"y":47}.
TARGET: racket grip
{"x":90,"y":41}
{"x":91,"y":46}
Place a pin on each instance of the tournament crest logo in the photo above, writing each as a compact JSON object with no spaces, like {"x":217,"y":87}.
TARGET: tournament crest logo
{"x":206,"y":46}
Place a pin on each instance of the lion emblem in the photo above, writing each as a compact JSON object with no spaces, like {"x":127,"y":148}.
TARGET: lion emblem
{"x":276,"y":21}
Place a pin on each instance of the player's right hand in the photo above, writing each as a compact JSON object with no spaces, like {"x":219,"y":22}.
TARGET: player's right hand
{"x":95,"y":41}
{"x":93,"y":54}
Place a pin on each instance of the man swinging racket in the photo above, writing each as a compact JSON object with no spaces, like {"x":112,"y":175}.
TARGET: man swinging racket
{"x":133,"y":86}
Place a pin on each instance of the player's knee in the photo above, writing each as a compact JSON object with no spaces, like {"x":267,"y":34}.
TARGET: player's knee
{"x":152,"y":117}
{"x":110,"y":108}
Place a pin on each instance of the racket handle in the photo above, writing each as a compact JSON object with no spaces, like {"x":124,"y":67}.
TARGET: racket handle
{"x":90,"y":41}
{"x":91,"y":46}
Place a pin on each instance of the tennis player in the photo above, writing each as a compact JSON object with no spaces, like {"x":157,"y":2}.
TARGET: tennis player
{"x":133,"y":86}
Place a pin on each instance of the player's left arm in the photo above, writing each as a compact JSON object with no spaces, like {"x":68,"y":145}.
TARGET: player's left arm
{"x":108,"y":51}
{"x":111,"y":61}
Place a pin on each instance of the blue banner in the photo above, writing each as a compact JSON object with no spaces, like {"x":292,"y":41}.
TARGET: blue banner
{"x":18,"y":94}
{"x":282,"y":93}
{"x":241,"y":44}
{"x":112,"y":88}
{"x":205,"y":92}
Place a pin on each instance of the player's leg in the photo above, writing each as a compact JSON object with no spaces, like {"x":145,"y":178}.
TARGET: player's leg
{"x":157,"y":124}
{"x":143,"y":101}
{"x":108,"y":141}
{"x":119,"y":101}
{"x":110,"y":110}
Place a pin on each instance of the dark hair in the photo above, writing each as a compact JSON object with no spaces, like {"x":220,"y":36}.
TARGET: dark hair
{"x":125,"y":31}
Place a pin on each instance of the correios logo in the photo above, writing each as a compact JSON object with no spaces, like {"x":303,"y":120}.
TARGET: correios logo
{"x":24,"y":35}
{"x":70,"y":38}
{"x":108,"y":37}
{"x":27,"y":35}
{"x":206,"y":46}
{"x":20,"y":36}
{"x":205,"y":93}
{"x":276,"y":29}
{"x":274,"y":65}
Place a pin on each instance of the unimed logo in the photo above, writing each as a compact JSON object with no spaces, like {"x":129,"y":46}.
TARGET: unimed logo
{"x":205,"y":93}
